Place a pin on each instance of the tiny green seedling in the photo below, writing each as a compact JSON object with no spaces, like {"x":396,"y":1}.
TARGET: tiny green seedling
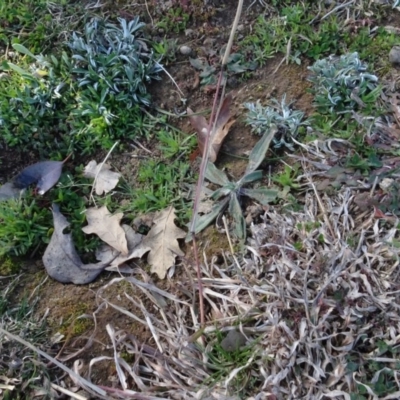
{"x":228,"y":196}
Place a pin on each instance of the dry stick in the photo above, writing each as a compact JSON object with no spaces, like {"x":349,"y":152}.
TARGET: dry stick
{"x":204,"y":160}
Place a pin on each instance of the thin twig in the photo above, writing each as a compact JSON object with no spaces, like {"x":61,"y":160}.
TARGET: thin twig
{"x":204,"y":161}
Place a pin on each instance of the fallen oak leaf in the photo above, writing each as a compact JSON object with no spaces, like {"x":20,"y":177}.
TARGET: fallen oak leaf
{"x":217,"y":134}
{"x":162,"y":239}
{"x":61,"y":260}
{"x":105,"y":179}
{"x":107,"y":227}
{"x":135,"y":249}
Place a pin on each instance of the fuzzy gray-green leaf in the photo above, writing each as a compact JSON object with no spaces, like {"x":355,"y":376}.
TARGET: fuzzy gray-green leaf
{"x":23,"y":50}
{"x":259,"y":151}
{"x":214,"y":175}
{"x":251,"y":177}
{"x":263,"y":195}
{"x":235,"y":211}
{"x":204,"y":220}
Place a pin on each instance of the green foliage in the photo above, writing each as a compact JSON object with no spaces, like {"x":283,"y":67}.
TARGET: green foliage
{"x":222,"y":362}
{"x":280,"y":114}
{"x":26,"y":224}
{"x":374,"y":375}
{"x":80,"y":101}
{"x":237,"y":64}
{"x":173,"y":144}
{"x":28,"y":20}
{"x":296,"y":32}
{"x":23,"y":226}
{"x":228,"y":196}
{"x":161,"y":182}
{"x":341,"y":83}
{"x":166,"y":50}
{"x":114,"y":60}
{"x":174,"y":20}
{"x":287,"y":178}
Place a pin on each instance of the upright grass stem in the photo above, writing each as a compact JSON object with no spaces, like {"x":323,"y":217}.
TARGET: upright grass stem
{"x":200,"y":182}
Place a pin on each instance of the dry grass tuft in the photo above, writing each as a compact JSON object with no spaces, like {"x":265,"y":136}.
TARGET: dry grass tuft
{"x":316,"y":298}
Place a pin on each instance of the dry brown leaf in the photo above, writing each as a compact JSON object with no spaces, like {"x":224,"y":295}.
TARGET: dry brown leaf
{"x":105,"y":179}
{"x":163,"y":242}
{"x":61,"y":260}
{"x":218,"y":134}
{"x":107,"y":227}
{"x":135,"y":249}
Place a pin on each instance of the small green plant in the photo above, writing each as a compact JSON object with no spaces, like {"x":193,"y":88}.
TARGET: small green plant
{"x":175,"y":20}
{"x":172,"y":143}
{"x":228,"y":197}
{"x":166,"y":50}
{"x":287,"y":177}
{"x":27,"y":20}
{"x":223,"y":360}
{"x":23,"y":226}
{"x":114,"y":60}
{"x":343,"y":83}
{"x":237,"y":64}
{"x":287,"y":120}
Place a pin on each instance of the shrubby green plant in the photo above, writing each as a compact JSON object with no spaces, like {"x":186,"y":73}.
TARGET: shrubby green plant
{"x":79,"y":101}
{"x":341,"y":83}
{"x":280,"y":114}
{"x":114,"y":60}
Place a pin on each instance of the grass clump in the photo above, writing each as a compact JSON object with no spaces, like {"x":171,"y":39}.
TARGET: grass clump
{"x":19,"y":364}
{"x":298,"y":31}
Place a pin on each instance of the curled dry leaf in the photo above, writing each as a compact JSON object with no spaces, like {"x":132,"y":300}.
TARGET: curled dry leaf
{"x":135,"y":249}
{"x":219,"y":132}
{"x":163,"y":242}
{"x":107,"y":227}
{"x":61,"y":260}
{"x":45,"y":174}
{"x":105,"y":179}
{"x":8,"y":191}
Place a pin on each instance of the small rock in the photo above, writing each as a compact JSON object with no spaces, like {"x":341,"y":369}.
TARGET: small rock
{"x":240,"y":28}
{"x":189,"y":32}
{"x":394,"y":55}
{"x":386,"y":184}
{"x":234,"y":341}
{"x":185,"y":50}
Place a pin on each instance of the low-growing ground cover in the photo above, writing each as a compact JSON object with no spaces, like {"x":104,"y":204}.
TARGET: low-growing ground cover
{"x":299,"y":261}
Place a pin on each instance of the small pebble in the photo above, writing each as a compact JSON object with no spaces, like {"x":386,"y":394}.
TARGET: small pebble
{"x":185,"y":50}
{"x":189,"y":32}
{"x":233,"y":341}
{"x":394,"y":55}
